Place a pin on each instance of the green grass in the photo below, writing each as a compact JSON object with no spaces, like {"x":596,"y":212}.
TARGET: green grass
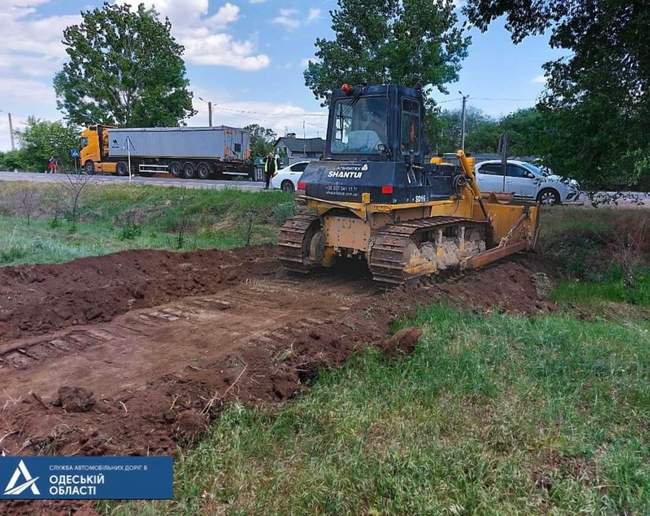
{"x":115,"y":218}
{"x":611,"y":289}
{"x":486,"y":412}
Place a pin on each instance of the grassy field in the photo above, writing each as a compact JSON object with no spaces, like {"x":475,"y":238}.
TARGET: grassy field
{"x":491,"y":414}
{"x":36,"y":224}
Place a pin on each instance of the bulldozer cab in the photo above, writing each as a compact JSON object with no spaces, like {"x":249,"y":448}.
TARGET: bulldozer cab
{"x":379,"y":123}
{"x":375,"y":146}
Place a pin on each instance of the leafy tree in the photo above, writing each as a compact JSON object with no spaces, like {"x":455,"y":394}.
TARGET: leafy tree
{"x":124,"y":68}
{"x":597,"y":103}
{"x":42,"y":139}
{"x":406,"y":42}
{"x":15,"y":160}
{"x":262,"y":140}
{"x":482,"y":131}
{"x":528,"y":132}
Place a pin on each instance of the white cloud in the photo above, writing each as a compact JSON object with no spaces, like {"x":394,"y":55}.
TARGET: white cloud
{"x":16,"y":90}
{"x":313,"y":15}
{"x":31,"y":44}
{"x":277,"y":116}
{"x":227,"y":13}
{"x":287,"y":18}
{"x":540,"y":79}
{"x":222,"y":49}
{"x":204,"y":36}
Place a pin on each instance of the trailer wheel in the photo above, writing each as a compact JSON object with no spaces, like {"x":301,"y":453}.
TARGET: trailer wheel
{"x":89,"y":167}
{"x":122,"y":168}
{"x":188,"y":170}
{"x":203,"y":170}
{"x":176,"y":169}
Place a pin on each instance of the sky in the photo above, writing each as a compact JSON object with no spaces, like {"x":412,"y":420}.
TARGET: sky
{"x":247,"y":57}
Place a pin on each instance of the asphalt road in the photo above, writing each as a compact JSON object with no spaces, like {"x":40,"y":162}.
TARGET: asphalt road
{"x":614,"y":199}
{"x":158,"y":181}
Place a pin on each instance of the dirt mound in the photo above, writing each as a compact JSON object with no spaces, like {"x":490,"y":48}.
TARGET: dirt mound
{"x":75,"y":399}
{"x":404,"y":341}
{"x":35,"y":299}
{"x":512,"y":286}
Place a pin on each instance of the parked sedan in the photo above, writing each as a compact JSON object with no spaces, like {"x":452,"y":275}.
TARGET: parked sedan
{"x":287,"y":178}
{"x":526,"y":180}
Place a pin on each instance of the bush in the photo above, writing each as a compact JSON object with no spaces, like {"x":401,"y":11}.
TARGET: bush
{"x":281,"y":212}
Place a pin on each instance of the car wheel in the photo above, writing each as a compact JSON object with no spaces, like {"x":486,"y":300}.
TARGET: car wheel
{"x":203,"y":170}
{"x":122,"y":168}
{"x":189,"y":172}
{"x":176,"y":169}
{"x":287,"y":186}
{"x":548,"y":196}
{"x":89,"y":167}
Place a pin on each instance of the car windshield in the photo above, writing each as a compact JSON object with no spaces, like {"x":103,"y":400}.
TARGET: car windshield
{"x":359,"y":126}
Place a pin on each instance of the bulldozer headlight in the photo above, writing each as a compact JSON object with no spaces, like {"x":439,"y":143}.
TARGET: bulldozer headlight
{"x":302,"y":185}
{"x":387,"y":189}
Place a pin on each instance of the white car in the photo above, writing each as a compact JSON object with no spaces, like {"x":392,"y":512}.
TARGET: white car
{"x":526,"y":180}
{"x":287,"y":178}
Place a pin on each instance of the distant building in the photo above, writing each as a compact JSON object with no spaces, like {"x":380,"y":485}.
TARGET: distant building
{"x":292,"y":149}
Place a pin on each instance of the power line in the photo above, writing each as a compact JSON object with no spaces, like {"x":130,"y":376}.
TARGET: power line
{"x":268,"y":115}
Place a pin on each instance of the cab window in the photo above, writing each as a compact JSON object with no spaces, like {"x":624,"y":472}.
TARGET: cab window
{"x":359,"y":125}
{"x":84,"y":142}
{"x":517,"y":171}
{"x":410,"y":141}
{"x":491,"y":169}
{"x":299,"y":167}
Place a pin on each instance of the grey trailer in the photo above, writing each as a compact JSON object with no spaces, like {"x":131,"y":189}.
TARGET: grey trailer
{"x":190,"y":152}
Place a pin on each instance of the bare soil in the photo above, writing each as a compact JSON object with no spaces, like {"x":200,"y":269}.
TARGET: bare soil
{"x":136,"y":352}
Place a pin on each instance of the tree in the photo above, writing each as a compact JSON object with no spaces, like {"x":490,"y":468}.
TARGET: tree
{"x":42,"y":139}
{"x":597,"y":102}
{"x":262,"y":140}
{"x":528,"y":132}
{"x":482,"y":131}
{"x":405,"y":42}
{"x":124,"y":68}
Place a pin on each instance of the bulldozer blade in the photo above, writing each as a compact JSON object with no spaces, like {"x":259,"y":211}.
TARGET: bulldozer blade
{"x":494,"y":254}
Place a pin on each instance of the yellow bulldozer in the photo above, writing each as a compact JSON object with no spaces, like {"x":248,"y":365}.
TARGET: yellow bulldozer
{"x":374,"y":195}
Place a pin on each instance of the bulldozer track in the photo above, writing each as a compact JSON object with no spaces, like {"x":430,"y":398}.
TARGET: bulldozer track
{"x":257,"y":312}
{"x":291,"y":243}
{"x":387,"y":258}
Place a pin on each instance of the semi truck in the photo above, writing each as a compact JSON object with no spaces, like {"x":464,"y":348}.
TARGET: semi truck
{"x":189,"y":152}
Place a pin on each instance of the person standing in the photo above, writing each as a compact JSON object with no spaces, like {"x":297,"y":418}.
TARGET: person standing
{"x":52,"y":165}
{"x":270,"y":168}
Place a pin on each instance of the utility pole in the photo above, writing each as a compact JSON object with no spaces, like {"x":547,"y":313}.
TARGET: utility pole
{"x":304,"y":139}
{"x":462,"y":121}
{"x":11,"y":132}
{"x":209,"y":103}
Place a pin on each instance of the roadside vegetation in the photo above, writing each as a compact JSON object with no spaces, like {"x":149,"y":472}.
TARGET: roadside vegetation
{"x":37,"y":223}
